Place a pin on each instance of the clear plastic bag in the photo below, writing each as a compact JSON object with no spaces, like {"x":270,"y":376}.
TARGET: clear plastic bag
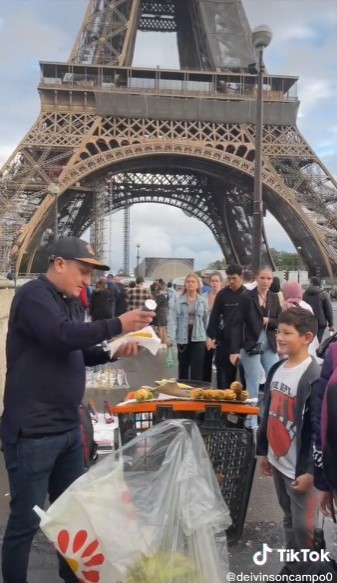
{"x":149,"y":513}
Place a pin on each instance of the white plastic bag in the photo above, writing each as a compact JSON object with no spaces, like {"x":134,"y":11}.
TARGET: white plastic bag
{"x":147,"y":513}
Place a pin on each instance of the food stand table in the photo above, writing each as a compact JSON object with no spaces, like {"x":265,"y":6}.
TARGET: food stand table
{"x":229,"y":444}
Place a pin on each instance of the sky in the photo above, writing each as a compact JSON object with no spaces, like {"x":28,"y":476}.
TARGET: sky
{"x":304,"y":44}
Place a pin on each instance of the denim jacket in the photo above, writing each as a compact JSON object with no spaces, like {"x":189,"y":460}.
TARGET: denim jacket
{"x":177,"y":326}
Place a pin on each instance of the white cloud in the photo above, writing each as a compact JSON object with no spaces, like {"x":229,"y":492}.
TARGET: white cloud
{"x":5,"y":152}
{"x":298,"y":33}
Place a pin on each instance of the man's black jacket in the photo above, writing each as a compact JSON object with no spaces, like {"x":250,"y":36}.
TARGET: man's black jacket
{"x":248,"y":321}
{"x":48,"y":347}
{"x":221,"y":316}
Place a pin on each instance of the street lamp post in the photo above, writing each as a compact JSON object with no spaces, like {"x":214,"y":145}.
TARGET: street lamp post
{"x":261,"y":37}
{"x":138,"y":257}
{"x":299,"y":249}
{"x":54,"y":189}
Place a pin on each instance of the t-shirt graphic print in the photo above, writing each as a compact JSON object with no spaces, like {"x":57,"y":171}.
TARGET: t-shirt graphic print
{"x":282,"y":429}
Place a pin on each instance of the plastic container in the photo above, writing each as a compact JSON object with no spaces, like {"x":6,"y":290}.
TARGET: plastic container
{"x":229,"y":444}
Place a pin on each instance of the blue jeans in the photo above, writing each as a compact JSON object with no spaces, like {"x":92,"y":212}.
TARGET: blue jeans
{"x":252,"y":368}
{"x":36,"y":466}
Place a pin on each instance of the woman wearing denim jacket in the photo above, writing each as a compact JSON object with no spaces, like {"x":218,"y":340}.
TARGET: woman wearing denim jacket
{"x":187,"y":327}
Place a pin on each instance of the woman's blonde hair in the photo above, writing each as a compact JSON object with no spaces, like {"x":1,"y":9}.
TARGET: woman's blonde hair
{"x":194,"y":276}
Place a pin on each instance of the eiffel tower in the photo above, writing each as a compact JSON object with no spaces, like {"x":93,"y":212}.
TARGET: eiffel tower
{"x":110,"y":135}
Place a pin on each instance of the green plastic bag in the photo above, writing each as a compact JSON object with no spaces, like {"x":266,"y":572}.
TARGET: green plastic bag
{"x":170,"y":360}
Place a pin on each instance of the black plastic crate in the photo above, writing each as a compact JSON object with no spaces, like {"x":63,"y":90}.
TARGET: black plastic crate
{"x":229,"y":444}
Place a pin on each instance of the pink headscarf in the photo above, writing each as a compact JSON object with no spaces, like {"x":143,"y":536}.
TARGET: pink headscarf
{"x":292,"y":293}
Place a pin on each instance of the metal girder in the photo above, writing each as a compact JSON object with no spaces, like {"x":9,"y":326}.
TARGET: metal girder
{"x":210,"y":35}
{"x":157,"y":16}
{"x":231,"y":145}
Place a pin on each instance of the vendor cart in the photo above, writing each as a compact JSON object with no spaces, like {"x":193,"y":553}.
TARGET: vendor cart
{"x":230,"y":445}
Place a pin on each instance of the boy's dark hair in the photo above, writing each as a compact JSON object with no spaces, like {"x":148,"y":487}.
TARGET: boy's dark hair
{"x":302,"y":320}
{"x":234,"y":269}
{"x":139,"y":280}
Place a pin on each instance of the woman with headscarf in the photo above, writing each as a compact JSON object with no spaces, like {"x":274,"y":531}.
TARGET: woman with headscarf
{"x":293,"y":296}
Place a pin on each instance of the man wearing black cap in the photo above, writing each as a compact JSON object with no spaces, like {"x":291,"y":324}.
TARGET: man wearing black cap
{"x":48,"y":347}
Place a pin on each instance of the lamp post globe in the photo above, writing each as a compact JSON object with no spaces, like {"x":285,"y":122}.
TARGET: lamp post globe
{"x":261,"y":36}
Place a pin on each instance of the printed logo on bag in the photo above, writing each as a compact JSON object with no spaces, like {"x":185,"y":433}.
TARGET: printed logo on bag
{"x":81,"y":555}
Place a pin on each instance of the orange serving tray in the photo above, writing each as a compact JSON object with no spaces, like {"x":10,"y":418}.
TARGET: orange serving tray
{"x":179,"y":405}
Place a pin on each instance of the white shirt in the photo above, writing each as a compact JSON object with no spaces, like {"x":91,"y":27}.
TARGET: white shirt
{"x":281,"y":428}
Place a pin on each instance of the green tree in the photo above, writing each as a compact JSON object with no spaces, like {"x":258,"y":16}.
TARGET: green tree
{"x":218,"y":264}
{"x":285,"y":259}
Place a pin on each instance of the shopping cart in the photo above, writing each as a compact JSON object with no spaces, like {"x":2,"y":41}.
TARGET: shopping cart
{"x":229,"y":444}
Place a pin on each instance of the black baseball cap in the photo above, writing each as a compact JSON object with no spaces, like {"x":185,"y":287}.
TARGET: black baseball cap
{"x":73,"y":248}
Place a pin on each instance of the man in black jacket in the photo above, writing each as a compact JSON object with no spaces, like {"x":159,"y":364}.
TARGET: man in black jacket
{"x":48,"y":348}
{"x":321,"y":305}
{"x":219,"y":325}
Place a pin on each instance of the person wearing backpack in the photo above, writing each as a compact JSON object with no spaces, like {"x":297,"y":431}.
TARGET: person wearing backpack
{"x":286,"y":434}
{"x":321,"y":305}
{"x":325,"y":447}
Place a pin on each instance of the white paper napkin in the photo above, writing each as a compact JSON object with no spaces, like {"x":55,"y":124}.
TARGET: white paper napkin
{"x":150,"y":341}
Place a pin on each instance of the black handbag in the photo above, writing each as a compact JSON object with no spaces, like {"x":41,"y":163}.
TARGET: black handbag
{"x":320,"y":568}
{"x":257,"y":349}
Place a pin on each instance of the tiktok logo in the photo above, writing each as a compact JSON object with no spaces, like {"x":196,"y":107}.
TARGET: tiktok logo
{"x":261,"y":557}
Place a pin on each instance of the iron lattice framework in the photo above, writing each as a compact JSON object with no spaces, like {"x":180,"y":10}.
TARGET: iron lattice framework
{"x":110,"y":135}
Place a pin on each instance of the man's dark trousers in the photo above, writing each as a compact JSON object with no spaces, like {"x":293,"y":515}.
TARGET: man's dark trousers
{"x":225,"y":371}
{"x":36,"y":466}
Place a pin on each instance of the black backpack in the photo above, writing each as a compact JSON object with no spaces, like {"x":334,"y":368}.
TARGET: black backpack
{"x":323,"y":347}
{"x":87,"y":429}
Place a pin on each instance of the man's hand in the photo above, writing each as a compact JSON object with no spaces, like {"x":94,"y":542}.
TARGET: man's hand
{"x":135,"y":320}
{"x":210,"y":344}
{"x":126,"y":350}
{"x":234,"y":359}
{"x":265,"y":467}
{"x":324,"y":502}
{"x":303,"y":483}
